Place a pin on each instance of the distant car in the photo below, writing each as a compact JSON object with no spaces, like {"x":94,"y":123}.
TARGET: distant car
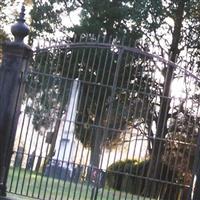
{"x":63,"y":170}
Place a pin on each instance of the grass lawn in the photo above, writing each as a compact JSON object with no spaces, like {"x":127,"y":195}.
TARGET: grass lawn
{"x":32,"y":185}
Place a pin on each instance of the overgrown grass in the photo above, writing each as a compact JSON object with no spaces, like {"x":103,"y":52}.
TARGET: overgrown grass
{"x":31,"y":185}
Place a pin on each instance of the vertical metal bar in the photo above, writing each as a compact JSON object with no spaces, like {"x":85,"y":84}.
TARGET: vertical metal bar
{"x":194,"y":193}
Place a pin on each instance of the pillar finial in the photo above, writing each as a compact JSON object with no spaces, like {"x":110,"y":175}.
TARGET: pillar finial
{"x":20,"y":30}
{"x":22,"y":14}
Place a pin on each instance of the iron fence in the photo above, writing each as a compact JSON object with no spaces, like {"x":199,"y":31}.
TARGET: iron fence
{"x":98,"y":121}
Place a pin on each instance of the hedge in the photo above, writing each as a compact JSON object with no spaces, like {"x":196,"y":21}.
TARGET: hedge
{"x":129,"y":176}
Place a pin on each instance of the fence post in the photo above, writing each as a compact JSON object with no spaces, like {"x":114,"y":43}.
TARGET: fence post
{"x":194,"y":192}
{"x":16,"y":56}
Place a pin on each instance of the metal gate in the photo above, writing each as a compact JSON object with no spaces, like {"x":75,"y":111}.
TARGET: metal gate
{"x":98,"y":121}
{"x":102,"y":120}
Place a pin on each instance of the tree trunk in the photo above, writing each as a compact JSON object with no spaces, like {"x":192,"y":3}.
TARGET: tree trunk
{"x":92,"y":176}
{"x":96,"y":149}
{"x":158,"y":144}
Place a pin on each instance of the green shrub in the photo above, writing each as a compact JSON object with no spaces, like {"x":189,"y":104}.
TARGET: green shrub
{"x":120,"y":175}
{"x":130,"y":176}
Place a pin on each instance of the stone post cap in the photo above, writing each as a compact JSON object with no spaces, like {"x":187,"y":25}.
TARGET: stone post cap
{"x":20,"y":30}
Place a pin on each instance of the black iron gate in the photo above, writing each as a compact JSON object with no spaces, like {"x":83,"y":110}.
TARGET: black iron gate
{"x":101,"y":120}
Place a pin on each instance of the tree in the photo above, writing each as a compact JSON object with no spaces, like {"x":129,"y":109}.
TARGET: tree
{"x":3,"y":34}
{"x":50,"y":19}
{"x":3,"y":37}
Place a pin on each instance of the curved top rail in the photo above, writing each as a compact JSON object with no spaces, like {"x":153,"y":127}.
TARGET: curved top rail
{"x":110,"y":45}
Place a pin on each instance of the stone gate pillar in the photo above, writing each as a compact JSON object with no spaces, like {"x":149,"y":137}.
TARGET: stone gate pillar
{"x":16,"y":56}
